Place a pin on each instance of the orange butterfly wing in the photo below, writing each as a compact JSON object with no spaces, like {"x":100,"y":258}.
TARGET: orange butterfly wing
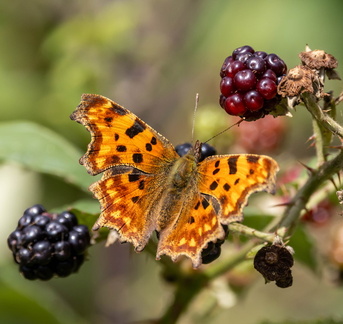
{"x":119,"y":137}
{"x":196,"y":226}
{"x":232,"y":178}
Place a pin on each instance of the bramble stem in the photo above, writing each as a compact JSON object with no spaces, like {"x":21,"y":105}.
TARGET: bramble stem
{"x":322,"y":118}
{"x":248,"y":231}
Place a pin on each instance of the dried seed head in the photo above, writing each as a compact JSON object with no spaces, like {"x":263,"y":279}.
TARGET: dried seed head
{"x":318,"y":59}
{"x":274,"y":262}
{"x":299,"y":80}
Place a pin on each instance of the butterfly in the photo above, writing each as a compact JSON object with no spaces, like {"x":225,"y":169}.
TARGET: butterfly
{"x":146,"y":186}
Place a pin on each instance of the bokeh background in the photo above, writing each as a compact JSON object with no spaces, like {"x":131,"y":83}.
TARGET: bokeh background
{"x":152,"y":57}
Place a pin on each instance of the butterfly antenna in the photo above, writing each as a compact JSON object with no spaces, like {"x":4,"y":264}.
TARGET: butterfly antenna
{"x":194,"y":113}
{"x":226,"y":129}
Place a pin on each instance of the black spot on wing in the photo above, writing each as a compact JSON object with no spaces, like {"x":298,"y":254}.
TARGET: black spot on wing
{"x":148,"y":147}
{"x":226,"y":187}
{"x":232,"y":162}
{"x":215,"y":171}
{"x":135,"y":129}
{"x":205,"y":203}
{"x":191,"y":220}
{"x":253,"y":158}
{"x":141,"y":185}
{"x":108,"y":119}
{"x":121,"y":148}
{"x":135,"y":199}
{"x":137,"y":157}
{"x":133,"y":177}
{"x":213,"y":185}
{"x":118,"y":110}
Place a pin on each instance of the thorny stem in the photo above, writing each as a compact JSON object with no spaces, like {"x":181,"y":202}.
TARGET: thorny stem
{"x":251,"y":232}
{"x":299,"y":201}
{"x":322,"y":118}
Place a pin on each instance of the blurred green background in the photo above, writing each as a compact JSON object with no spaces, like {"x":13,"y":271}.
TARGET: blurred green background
{"x":152,"y":57}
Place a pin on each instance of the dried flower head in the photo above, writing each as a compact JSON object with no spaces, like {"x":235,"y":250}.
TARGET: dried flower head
{"x":318,"y":59}
{"x":274,"y":262}
{"x":299,"y":80}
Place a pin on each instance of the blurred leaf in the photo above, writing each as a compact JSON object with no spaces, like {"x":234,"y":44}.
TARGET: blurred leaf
{"x":42,"y":150}
{"x":91,"y":206}
{"x":303,"y":247}
{"x":22,"y":301}
{"x":257,"y":221}
{"x":314,"y":321}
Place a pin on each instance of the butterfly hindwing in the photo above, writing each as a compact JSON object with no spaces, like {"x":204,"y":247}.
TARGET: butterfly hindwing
{"x":124,"y":205}
{"x":119,"y":137}
{"x":196,"y":225}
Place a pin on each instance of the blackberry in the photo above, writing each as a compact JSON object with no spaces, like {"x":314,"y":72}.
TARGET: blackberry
{"x":213,"y":249}
{"x":249,"y":82}
{"x":206,"y":150}
{"x":47,"y":245}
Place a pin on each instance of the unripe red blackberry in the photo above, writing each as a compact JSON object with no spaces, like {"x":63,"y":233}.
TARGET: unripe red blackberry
{"x":46,"y":245}
{"x":249,"y":82}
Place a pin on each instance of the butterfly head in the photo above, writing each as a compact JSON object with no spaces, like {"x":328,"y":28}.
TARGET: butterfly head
{"x":197,"y":150}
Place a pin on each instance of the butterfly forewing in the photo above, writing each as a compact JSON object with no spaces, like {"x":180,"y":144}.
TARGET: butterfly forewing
{"x":232,"y":178}
{"x":119,"y":137}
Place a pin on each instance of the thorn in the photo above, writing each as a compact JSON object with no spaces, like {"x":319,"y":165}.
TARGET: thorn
{"x":312,"y":140}
{"x":334,"y":184}
{"x":285,"y":204}
{"x":311,"y":170}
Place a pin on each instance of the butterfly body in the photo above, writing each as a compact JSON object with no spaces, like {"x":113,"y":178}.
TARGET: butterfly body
{"x":146,"y":186}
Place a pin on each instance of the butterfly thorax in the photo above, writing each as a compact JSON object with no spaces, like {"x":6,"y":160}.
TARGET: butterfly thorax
{"x":178,"y":186}
{"x":183,"y":171}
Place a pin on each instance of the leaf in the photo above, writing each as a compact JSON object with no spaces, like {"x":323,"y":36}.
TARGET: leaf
{"x":42,"y":150}
{"x":303,"y":247}
{"x":23,"y":301}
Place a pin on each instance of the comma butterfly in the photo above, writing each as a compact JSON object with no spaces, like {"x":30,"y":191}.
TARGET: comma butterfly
{"x":146,"y":186}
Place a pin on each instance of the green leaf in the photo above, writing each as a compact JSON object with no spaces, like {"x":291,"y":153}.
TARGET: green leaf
{"x":42,"y":150}
{"x":303,"y":247}
{"x":23,"y":301}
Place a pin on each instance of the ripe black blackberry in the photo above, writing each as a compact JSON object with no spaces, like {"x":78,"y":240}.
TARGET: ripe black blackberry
{"x":46,"y":245}
{"x":213,"y":249}
{"x":249,"y":82}
{"x":206,"y":150}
